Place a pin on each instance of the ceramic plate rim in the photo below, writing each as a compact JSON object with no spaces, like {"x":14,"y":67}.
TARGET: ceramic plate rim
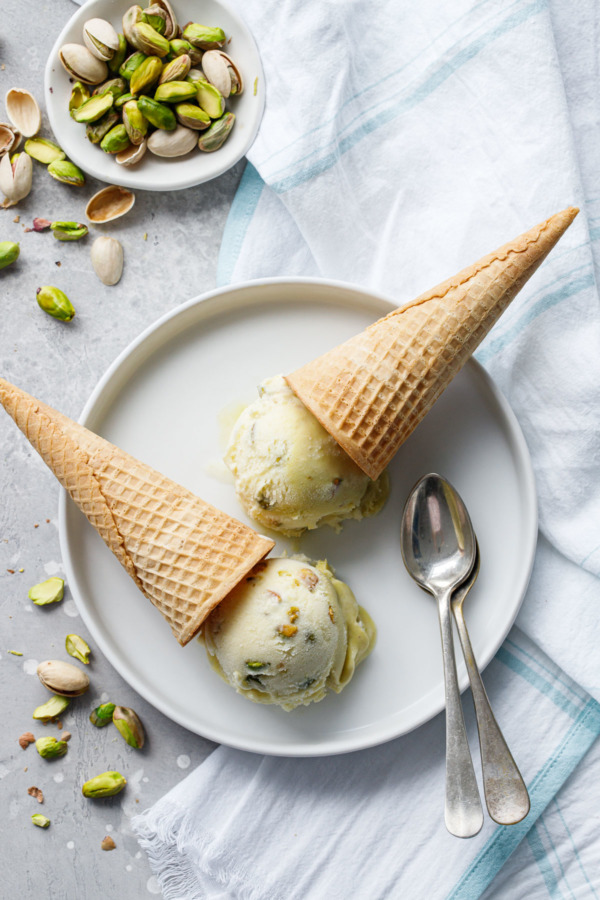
{"x":122,"y":174}
{"x":526,"y":479}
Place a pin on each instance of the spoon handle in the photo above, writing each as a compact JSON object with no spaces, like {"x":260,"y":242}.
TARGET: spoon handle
{"x":464,"y":813}
{"x":506,"y":796}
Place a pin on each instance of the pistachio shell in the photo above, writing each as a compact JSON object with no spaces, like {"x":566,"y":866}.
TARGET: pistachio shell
{"x":63,"y":678}
{"x":109,"y":203}
{"x":171,"y":26}
{"x":172,"y":143}
{"x":131,"y":18}
{"x":23,"y":111}
{"x":83,"y":65}
{"x":107,"y":259}
{"x":10,"y":138}
{"x":132,"y":155}
{"x":100,"y":38}
{"x":221,"y":71}
{"x":15,"y":178}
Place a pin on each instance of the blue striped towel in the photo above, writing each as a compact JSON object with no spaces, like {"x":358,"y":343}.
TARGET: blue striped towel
{"x":400,"y":142}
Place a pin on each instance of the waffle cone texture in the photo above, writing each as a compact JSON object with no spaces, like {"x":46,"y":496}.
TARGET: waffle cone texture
{"x":371,"y":392}
{"x":184,"y":554}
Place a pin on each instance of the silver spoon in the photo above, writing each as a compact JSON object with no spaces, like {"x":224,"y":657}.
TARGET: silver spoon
{"x":438,"y":548}
{"x":506,"y":796}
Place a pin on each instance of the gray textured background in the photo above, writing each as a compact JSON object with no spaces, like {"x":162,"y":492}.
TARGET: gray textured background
{"x":61,"y":363}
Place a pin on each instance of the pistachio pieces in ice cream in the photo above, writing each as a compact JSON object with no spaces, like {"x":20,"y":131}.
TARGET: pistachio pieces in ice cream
{"x":290,"y":474}
{"x":288,"y":633}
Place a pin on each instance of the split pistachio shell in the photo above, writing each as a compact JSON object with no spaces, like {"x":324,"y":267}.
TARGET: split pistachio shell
{"x":94,"y":108}
{"x":56,"y":303}
{"x":68,"y":231}
{"x":83,"y":65}
{"x":79,"y":94}
{"x":129,"y":726}
{"x":156,"y":16}
{"x":172,"y":143}
{"x":210,"y":99}
{"x":9,"y":253}
{"x":50,"y":748}
{"x":192,"y":116}
{"x":10,"y":138}
{"x":102,"y":715}
{"x":157,"y":114}
{"x":119,"y":56}
{"x":67,"y":172}
{"x":109,"y":203}
{"x":217,"y":134}
{"x":146,"y":75}
{"x":115,"y":140}
{"x":131,"y":18}
{"x":15,"y":177}
{"x":136,"y":125}
{"x":78,"y":648}
{"x":43,"y":151}
{"x":23,"y":111}
{"x":221,"y":71}
{"x":204,"y":38}
{"x":132,"y":155}
{"x":100,"y":38}
{"x":179,"y":47}
{"x":105,"y":785}
{"x":95,"y":131}
{"x":176,"y":70}
{"x":63,"y":678}
{"x":52,"y":709}
{"x":107,"y":259}
{"x":147,"y":40}
{"x":171,"y":26}
{"x":49,"y":591}
{"x":175,"y":92}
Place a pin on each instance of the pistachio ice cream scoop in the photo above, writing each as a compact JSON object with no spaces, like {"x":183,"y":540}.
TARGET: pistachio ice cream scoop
{"x":290,"y":474}
{"x":288,"y":633}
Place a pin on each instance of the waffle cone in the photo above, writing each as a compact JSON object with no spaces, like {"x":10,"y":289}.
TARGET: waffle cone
{"x":184,"y":554}
{"x":371,"y":392}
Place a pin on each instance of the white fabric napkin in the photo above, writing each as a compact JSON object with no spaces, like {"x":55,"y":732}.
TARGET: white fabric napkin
{"x":401,"y":141}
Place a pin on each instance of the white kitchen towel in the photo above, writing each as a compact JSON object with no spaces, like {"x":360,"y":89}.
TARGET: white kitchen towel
{"x":400,"y":142}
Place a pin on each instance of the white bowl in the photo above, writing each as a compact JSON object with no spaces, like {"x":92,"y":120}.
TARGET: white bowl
{"x":154,"y":173}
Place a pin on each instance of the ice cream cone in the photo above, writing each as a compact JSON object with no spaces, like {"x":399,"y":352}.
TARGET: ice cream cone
{"x":372,"y":391}
{"x":182,"y":553}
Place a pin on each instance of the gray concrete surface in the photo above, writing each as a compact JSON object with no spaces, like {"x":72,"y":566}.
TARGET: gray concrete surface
{"x":61,"y":363}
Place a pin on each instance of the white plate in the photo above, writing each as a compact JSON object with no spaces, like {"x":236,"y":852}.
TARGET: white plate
{"x":161,"y":401}
{"x":153,"y":173}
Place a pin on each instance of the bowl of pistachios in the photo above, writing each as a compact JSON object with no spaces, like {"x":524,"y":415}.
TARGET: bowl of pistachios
{"x":159,"y":98}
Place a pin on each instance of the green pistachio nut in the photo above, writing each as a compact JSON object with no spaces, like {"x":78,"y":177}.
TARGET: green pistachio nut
{"x":9,"y":253}
{"x":115,"y":140}
{"x":79,"y":94}
{"x":146,"y":75}
{"x":115,"y":86}
{"x":131,"y":64}
{"x":178,"y":47}
{"x":78,"y":648}
{"x":50,"y":710}
{"x":67,"y":172}
{"x":210,"y":99}
{"x":217,"y":134}
{"x":176,"y":70}
{"x":56,"y":304}
{"x":158,"y":114}
{"x":147,"y":40}
{"x":156,"y":16}
{"x":68,"y":231}
{"x":196,"y":75}
{"x":192,"y":116}
{"x":102,"y":715}
{"x":175,"y":92}
{"x":131,"y":18}
{"x":94,"y":108}
{"x":119,"y":56}
{"x":50,"y":748}
{"x":136,"y":125}
{"x":40,"y":820}
{"x":129,"y":726}
{"x":123,"y":99}
{"x":51,"y":590}
{"x":106,"y":785}
{"x":204,"y":38}
{"x":95,"y":131}
{"x":43,"y":151}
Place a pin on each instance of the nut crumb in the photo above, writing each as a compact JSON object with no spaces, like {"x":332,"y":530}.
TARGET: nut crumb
{"x":17,"y":219}
{"x":145,"y":235}
{"x":36,"y":525}
{"x":59,"y":724}
{"x":21,"y":570}
{"x":108,"y":843}
{"x":57,"y":263}
{"x":2,"y":67}
{"x":331,"y":616}
{"x":37,"y":793}
{"x":15,"y":652}
{"x":11,"y":571}
{"x":47,"y":520}
{"x":26,"y":739}
{"x":65,"y":736}
{"x":288,"y":630}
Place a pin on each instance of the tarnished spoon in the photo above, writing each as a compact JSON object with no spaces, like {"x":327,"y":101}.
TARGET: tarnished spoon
{"x":506,"y":796}
{"x":439,"y":548}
